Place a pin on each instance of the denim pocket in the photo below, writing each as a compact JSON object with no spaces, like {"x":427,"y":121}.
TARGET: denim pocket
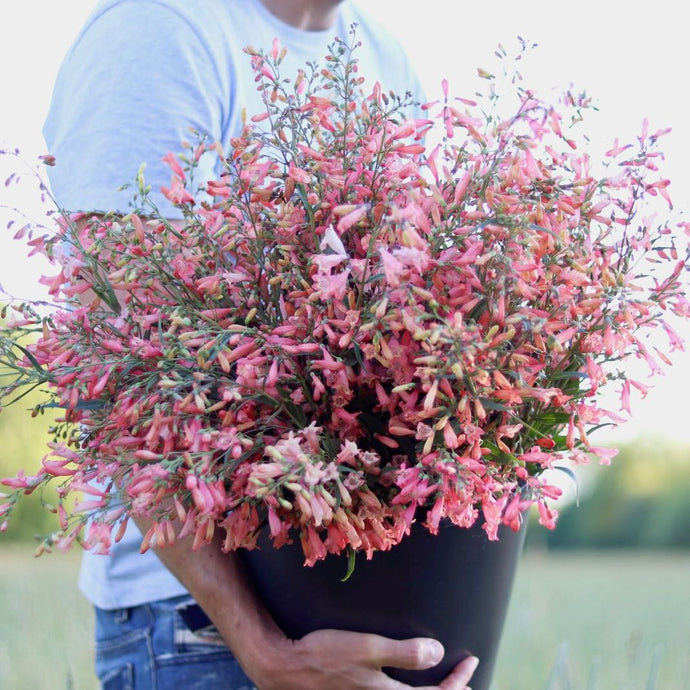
{"x":200,"y":659}
{"x":205,"y":640}
{"x":123,"y":650}
{"x":122,"y":644}
{"x":197,"y":640}
{"x":119,"y":678}
{"x":150,"y":647}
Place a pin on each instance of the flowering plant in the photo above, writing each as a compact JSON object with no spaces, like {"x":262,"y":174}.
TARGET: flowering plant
{"x":352,"y":329}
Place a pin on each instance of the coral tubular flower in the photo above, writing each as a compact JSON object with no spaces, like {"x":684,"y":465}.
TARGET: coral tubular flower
{"x":350,"y":331}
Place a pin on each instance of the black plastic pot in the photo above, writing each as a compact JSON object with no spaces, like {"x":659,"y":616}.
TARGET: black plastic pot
{"x":454,"y":587}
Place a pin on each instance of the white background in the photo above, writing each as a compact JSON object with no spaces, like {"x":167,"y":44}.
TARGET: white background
{"x":630,"y":56}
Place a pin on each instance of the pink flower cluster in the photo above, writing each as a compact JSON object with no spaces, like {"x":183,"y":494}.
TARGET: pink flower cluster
{"x":358,"y":330}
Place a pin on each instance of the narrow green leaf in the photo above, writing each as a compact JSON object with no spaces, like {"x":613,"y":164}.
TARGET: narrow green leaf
{"x":351,"y":556}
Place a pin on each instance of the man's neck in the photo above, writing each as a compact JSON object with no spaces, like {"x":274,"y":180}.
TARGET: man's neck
{"x":309,"y":15}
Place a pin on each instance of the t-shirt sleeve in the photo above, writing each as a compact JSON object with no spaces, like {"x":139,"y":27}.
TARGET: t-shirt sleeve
{"x":136,"y":80}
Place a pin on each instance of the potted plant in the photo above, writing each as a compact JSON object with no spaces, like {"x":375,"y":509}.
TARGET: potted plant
{"x":353,"y":339}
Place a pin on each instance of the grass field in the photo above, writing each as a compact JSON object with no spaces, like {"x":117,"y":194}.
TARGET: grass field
{"x":578,"y":621}
{"x":604,"y":621}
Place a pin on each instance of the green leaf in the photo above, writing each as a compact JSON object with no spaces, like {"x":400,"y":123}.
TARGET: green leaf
{"x":351,"y":556}
{"x":81,"y":405}
{"x":353,"y":355}
{"x":34,"y":362}
{"x":25,"y":393}
{"x":296,"y":413}
{"x":569,"y":374}
{"x":492,"y":405}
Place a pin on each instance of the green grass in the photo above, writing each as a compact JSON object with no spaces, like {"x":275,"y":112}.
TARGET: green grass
{"x":598,"y":621}
{"x":578,"y":621}
{"x":46,"y":626}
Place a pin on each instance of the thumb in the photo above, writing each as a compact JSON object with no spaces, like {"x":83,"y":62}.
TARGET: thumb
{"x":417,"y":653}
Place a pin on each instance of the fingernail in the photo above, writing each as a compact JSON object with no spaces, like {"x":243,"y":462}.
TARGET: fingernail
{"x":473,"y":662}
{"x":436,"y":652}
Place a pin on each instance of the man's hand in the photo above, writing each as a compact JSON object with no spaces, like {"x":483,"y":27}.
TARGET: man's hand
{"x":340,"y":660}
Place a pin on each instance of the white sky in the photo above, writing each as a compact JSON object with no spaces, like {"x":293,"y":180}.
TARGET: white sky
{"x":630,"y":56}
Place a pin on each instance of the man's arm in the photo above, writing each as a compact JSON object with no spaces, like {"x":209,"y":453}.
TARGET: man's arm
{"x":333,"y":659}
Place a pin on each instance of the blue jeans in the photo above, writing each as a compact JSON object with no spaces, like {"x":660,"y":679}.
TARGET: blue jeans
{"x":150,"y":647}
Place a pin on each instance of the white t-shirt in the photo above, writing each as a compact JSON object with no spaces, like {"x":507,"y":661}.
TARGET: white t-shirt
{"x":138,"y":76}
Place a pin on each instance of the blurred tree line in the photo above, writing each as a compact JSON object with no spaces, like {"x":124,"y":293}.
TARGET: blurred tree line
{"x":23,"y":440}
{"x":641,"y":501}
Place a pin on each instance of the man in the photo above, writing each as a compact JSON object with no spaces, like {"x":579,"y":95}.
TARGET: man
{"x":138,"y":76}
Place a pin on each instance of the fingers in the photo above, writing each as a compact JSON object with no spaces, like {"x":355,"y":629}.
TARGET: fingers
{"x":376,"y":651}
{"x":461,"y":675}
{"x":360,"y":657}
{"x":415,"y":654}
